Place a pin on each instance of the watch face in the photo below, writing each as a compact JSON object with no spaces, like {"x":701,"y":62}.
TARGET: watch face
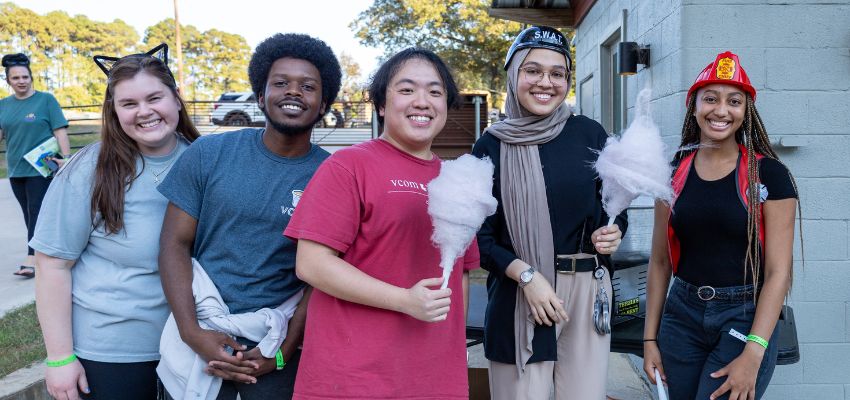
{"x":526,"y":276}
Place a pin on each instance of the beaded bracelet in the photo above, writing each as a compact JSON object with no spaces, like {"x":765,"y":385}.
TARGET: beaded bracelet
{"x":61,"y":363}
{"x":757,"y":339}
{"x":278,"y":358}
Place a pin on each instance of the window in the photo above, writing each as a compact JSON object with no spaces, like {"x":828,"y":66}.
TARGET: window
{"x":613,"y":106}
{"x":586,"y":97}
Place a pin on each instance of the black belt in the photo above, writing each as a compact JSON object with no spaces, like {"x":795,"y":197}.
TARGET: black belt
{"x":569,"y":265}
{"x":707,"y":293}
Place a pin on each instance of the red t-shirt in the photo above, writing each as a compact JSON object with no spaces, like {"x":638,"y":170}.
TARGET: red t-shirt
{"x":369,"y":202}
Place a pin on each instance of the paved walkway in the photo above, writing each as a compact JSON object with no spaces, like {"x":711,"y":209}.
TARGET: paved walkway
{"x":16,"y":291}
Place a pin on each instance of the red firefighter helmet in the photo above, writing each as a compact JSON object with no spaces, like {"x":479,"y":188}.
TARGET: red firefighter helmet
{"x":726,"y":69}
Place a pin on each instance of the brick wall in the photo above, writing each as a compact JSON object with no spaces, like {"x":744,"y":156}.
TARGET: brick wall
{"x":797,"y":53}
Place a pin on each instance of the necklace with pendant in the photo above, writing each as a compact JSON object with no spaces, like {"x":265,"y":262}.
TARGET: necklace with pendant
{"x":165,"y":169}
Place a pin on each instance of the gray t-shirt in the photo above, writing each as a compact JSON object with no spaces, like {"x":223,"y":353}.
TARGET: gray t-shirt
{"x":118,"y":305}
{"x":242,"y":196}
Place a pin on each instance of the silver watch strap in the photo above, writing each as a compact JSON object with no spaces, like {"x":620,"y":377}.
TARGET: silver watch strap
{"x":522,"y":283}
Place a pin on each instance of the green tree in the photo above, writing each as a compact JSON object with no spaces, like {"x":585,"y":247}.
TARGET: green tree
{"x":26,"y":32}
{"x":61,"y":47}
{"x":214,"y":61}
{"x":350,"y":74}
{"x":460,"y":31}
{"x":163,"y":32}
{"x":222,"y":63}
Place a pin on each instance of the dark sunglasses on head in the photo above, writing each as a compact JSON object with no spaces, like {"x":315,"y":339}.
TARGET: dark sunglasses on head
{"x":15,"y":59}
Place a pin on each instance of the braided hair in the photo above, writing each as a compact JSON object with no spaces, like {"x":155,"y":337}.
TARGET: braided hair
{"x":753,"y":136}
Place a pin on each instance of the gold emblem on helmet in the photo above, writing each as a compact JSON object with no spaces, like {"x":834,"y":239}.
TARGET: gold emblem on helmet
{"x":725,"y":68}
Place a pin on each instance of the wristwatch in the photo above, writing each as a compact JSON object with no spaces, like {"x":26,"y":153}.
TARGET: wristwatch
{"x":525,"y":277}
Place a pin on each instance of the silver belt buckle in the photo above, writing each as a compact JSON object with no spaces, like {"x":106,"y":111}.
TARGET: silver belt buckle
{"x":572,"y":264}
{"x":706,"y":293}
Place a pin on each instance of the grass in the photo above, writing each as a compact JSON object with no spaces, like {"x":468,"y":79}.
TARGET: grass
{"x":21,"y":343}
{"x":78,"y":134}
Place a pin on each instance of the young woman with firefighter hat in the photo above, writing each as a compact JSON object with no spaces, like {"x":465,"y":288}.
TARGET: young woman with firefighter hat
{"x":726,"y":239}
{"x":546,"y":248}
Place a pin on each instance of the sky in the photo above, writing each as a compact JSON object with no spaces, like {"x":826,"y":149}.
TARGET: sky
{"x":253,"y":19}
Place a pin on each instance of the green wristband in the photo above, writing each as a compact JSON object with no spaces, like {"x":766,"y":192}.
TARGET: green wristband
{"x":278,"y":358}
{"x":758,"y":339}
{"x":61,"y":363}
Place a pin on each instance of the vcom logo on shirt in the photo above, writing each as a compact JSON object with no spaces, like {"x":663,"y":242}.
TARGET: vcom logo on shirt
{"x":29,"y":117}
{"x":405,"y":186}
{"x":296,"y":197}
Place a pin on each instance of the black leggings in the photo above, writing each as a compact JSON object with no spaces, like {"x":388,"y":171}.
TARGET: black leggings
{"x":29,"y":191}
{"x":121,"y":381}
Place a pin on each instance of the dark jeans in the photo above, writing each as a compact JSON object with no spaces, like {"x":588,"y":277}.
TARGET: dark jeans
{"x":694,"y":339}
{"x":121,"y":381}
{"x":272,"y":386}
{"x":29,"y":191}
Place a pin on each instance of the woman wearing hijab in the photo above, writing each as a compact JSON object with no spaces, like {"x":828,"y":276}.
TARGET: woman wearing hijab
{"x":547,"y":246}
{"x":726,"y":238}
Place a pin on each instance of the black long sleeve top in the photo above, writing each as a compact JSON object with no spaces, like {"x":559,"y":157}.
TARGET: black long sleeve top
{"x":575,"y":211}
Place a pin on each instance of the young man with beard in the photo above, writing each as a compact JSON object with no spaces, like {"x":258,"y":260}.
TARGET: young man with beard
{"x":231,"y":195}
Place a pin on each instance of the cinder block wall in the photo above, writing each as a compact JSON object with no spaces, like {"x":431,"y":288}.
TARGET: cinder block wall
{"x":797,"y":54}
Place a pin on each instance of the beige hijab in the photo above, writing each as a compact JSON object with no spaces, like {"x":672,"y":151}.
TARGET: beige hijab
{"x":524,"y":195}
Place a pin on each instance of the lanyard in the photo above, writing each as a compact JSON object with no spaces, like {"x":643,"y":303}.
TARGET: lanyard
{"x":601,"y":307}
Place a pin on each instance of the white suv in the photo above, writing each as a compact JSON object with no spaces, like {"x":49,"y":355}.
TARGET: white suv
{"x":237,"y":109}
{"x":240,"y":109}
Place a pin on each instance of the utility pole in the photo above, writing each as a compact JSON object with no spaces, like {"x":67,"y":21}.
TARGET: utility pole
{"x":179,"y":45}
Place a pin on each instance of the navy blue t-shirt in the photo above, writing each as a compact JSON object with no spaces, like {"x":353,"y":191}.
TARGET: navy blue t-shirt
{"x":242,"y":196}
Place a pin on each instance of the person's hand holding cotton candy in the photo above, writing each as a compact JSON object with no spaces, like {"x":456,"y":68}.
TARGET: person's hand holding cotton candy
{"x":459,"y":200}
{"x":607,"y":239}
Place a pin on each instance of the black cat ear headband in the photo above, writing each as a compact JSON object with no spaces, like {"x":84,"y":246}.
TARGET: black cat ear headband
{"x":105,"y":63}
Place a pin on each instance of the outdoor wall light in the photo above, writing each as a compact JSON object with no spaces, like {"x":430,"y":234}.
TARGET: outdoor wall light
{"x":632,"y":54}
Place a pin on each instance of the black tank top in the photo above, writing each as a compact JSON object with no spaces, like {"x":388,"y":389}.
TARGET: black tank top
{"x":711,"y":223}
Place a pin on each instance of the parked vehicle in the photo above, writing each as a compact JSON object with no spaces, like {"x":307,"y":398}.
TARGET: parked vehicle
{"x":241,"y":109}
{"x":237,"y":109}
{"x":333,"y":119}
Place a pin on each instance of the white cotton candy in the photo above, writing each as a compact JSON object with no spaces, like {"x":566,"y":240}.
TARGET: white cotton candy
{"x":458,"y":201}
{"x":634,"y":164}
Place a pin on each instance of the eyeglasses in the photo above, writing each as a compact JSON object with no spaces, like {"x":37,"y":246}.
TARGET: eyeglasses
{"x":534,"y":75}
